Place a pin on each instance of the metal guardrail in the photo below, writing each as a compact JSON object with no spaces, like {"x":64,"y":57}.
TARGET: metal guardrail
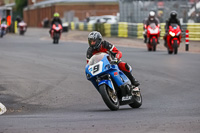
{"x":134,"y":30}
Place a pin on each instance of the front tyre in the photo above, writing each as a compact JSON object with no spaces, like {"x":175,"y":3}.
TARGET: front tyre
{"x":110,"y":97}
{"x":1,"y":33}
{"x":137,"y":99}
{"x":154,"y":44}
{"x":21,"y":32}
{"x":175,"y":46}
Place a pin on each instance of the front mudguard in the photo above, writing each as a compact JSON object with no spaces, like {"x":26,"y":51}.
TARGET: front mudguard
{"x":106,"y":82}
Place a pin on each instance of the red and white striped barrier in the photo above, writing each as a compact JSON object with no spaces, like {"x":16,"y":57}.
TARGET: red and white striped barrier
{"x":187,"y":40}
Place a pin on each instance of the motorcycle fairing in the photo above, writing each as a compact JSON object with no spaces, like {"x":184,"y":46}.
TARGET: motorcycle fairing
{"x":104,"y":67}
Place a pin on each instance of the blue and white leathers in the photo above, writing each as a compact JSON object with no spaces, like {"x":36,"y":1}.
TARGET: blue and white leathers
{"x":100,"y":71}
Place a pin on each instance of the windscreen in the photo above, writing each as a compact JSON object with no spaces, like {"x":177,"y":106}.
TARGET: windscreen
{"x":174,"y":26}
{"x":96,"y":58}
{"x":153,"y":25}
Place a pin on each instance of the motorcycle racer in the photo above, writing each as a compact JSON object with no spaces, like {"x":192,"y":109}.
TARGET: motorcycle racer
{"x":151,"y":19}
{"x":172,"y":20}
{"x":56,"y":19}
{"x":96,"y":44}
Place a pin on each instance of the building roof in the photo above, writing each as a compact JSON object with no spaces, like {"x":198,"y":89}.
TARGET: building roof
{"x":7,"y":6}
{"x":52,"y":2}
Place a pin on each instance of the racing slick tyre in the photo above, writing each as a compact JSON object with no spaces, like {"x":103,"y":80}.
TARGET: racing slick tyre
{"x":21,"y":32}
{"x":154,"y":44}
{"x":137,"y":99}
{"x":56,"y":38}
{"x":175,"y":46}
{"x":110,"y":97}
{"x":169,"y":51}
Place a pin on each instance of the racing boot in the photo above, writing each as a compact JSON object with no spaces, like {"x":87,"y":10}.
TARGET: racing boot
{"x":158,"y":40}
{"x":132,"y":79}
{"x":145,"y":38}
{"x":165,"y":43}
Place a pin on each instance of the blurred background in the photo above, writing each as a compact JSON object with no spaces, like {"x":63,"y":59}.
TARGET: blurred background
{"x":134,"y":11}
{"x":77,"y":14}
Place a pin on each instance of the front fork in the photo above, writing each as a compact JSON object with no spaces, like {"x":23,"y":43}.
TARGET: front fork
{"x":106,"y":79}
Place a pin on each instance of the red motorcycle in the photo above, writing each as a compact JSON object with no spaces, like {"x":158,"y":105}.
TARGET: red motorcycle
{"x":173,"y":38}
{"x":3,"y":28}
{"x":56,"y":32}
{"x":153,"y":34}
{"x":22,"y":27}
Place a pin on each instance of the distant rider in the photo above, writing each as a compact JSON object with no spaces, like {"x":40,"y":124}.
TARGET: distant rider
{"x":56,"y":19}
{"x":151,"y":19}
{"x":96,"y":44}
{"x":172,"y":20}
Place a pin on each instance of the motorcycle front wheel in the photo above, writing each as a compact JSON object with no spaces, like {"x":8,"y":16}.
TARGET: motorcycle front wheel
{"x":110,"y":97}
{"x":175,"y":46}
{"x":56,"y":38}
{"x":1,"y":34}
{"x":21,"y":32}
{"x":154,"y":44}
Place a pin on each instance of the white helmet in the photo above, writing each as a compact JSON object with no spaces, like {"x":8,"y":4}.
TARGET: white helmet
{"x":151,"y":15}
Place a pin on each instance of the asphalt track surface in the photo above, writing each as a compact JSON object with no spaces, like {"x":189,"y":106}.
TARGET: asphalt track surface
{"x":44,"y":89}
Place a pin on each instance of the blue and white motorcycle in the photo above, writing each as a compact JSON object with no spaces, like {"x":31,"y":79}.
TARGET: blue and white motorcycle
{"x":113,"y":85}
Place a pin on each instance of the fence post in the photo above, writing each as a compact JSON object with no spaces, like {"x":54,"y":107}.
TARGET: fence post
{"x":187,"y":40}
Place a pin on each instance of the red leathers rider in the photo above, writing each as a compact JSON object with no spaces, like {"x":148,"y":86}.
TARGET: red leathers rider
{"x":98,"y":45}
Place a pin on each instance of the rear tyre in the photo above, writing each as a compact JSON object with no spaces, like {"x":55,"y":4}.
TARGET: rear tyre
{"x":137,"y":99}
{"x":110,"y":97}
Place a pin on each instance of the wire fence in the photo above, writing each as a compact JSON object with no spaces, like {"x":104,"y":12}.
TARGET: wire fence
{"x":135,"y":11}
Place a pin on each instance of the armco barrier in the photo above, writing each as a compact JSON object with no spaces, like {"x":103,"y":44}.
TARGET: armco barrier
{"x":81,"y":26}
{"x":114,"y":30}
{"x":107,"y":30}
{"x":194,"y":31}
{"x":162,"y":27}
{"x":124,"y":29}
{"x":140,"y":30}
{"x":132,"y":30}
{"x":90,"y":27}
{"x":72,"y":25}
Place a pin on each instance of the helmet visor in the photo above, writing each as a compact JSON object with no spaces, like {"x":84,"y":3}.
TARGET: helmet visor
{"x":92,"y":42}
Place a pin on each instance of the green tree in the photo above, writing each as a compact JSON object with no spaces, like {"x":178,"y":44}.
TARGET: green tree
{"x":20,"y":4}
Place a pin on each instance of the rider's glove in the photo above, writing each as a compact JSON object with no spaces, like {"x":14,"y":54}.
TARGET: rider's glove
{"x":117,"y":56}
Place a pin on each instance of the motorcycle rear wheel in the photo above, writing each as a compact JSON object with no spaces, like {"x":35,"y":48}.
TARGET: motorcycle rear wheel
{"x":137,"y":100}
{"x":110,"y":97}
